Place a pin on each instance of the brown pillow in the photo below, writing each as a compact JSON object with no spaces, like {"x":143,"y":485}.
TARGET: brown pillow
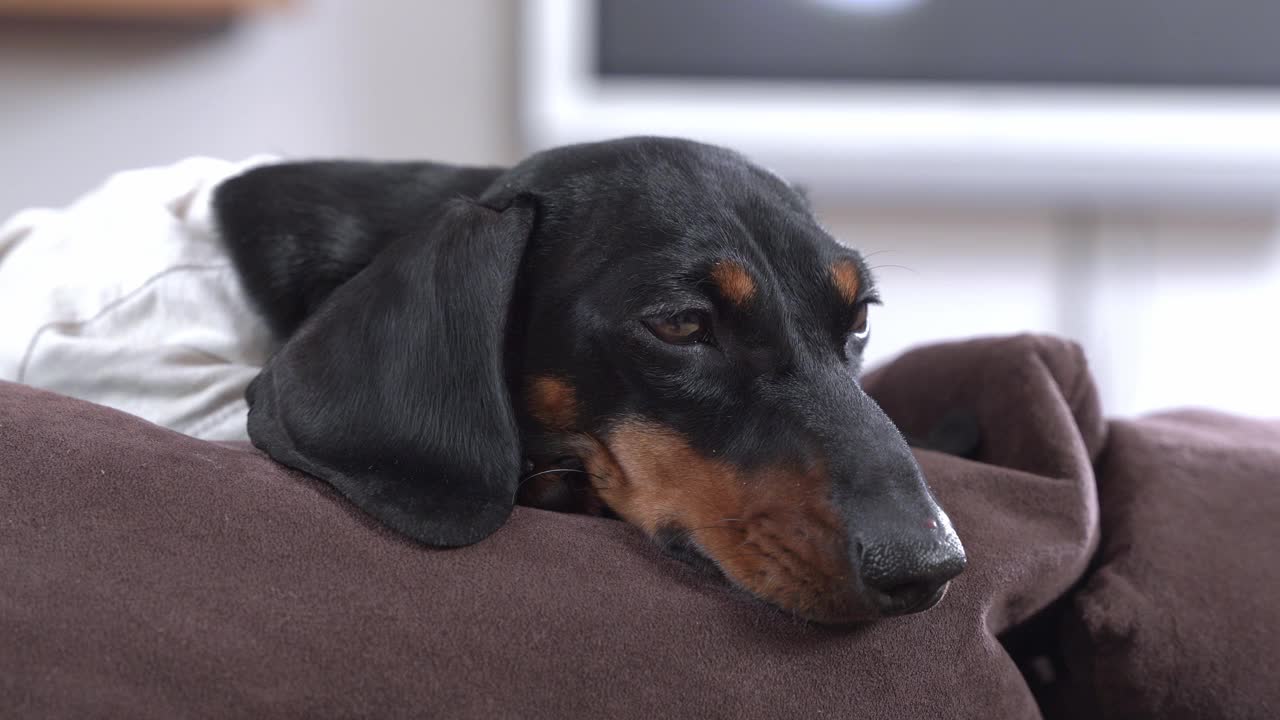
{"x":148,"y":574}
{"x":1181,"y":618}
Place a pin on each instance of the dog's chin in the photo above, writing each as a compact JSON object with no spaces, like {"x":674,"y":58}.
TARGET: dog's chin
{"x":852,"y":610}
{"x":845,"y":609}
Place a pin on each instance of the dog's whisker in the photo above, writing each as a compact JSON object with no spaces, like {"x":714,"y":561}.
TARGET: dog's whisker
{"x":576,"y":471}
{"x":896,"y":267}
{"x":550,"y":472}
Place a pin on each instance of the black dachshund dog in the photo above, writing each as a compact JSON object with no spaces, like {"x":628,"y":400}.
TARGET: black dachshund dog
{"x":651,"y":328}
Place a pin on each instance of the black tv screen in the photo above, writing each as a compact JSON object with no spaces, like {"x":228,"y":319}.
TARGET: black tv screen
{"x":1193,"y":43}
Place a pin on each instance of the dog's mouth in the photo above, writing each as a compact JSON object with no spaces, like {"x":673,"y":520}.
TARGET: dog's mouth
{"x":787,"y":550}
{"x":560,"y":484}
{"x":678,"y":544}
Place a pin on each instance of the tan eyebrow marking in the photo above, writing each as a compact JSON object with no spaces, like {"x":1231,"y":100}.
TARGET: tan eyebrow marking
{"x":734,"y":282}
{"x":844,"y":273}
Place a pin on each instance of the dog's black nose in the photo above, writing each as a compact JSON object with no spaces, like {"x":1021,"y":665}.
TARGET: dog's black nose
{"x":907,"y":569}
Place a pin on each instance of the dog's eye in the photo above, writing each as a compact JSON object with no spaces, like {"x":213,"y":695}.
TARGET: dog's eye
{"x":860,"y":327}
{"x":683,"y":328}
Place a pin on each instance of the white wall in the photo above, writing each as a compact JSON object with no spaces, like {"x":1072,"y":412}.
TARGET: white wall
{"x":327,"y":77}
{"x":1174,"y":308}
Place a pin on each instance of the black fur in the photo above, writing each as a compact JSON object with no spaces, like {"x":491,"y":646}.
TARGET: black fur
{"x":297,"y":231}
{"x":416,"y":299}
{"x":393,"y":389}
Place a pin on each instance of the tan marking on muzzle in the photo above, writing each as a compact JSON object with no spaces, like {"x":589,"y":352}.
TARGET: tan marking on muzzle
{"x":772,"y":532}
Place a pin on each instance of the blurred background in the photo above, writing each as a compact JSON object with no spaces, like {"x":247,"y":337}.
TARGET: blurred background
{"x":1105,"y":171}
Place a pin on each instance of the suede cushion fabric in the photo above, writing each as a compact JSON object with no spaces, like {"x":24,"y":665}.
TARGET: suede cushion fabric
{"x":1181,"y":618}
{"x":148,"y":574}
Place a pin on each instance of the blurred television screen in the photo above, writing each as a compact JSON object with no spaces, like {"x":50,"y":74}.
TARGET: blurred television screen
{"x":1146,"y":101}
{"x":1181,"y":43}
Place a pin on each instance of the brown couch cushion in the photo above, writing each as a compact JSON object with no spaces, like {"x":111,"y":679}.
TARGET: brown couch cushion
{"x":148,"y":574}
{"x":1181,"y":618}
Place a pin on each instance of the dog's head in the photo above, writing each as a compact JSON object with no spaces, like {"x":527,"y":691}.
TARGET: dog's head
{"x":660,"y":328}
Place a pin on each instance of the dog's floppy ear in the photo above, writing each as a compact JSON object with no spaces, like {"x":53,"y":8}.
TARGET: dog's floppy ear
{"x":296,"y":231}
{"x":394,"y":389}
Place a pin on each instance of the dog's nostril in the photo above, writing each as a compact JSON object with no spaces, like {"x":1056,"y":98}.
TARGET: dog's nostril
{"x":901,"y":578}
{"x":909,"y":593}
{"x":907,"y":597}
